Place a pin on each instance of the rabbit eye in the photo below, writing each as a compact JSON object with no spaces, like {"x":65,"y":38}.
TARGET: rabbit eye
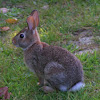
{"x":21,"y":35}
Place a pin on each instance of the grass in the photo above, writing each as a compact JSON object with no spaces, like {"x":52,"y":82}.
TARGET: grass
{"x":57,"y":23}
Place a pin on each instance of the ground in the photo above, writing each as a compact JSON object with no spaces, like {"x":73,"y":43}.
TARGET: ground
{"x":71,"y":24}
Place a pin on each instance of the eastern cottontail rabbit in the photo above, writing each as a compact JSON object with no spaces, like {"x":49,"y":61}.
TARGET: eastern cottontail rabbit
{"x":58,"y":67}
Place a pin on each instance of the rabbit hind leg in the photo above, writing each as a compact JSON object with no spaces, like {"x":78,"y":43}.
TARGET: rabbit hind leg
{"x":55,"y":75}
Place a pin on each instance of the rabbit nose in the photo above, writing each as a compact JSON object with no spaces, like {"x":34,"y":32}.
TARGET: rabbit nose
{"x":13,"y":41}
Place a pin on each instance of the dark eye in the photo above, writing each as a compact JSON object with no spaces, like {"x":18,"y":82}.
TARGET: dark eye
{"x":21,"y":35}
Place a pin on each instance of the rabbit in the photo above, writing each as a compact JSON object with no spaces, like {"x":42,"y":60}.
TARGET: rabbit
{"x":56,"y":68}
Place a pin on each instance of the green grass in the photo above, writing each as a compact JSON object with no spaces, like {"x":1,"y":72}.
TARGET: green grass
{"x":56,"y":25}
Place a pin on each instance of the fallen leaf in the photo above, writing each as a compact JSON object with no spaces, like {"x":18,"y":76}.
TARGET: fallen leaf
{"x":4,"y":28}
{"x":4,"y":10}
{"x":12,"y":21}
{"x":4,"y":93}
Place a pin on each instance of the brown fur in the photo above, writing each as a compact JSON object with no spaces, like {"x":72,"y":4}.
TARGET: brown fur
{"x":51,"y":63}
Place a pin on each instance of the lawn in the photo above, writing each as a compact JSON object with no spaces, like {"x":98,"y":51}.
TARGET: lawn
{"x":59,"y":19}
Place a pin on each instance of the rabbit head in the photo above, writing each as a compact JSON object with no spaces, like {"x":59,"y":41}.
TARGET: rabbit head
{"x":28,"y":36}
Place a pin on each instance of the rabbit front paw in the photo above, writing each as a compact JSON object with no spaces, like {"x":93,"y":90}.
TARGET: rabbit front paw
{"x":41,"y":81}
{"x":47,"y":89}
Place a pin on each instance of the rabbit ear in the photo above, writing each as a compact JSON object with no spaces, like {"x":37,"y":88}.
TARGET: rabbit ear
{"x":33,"y":20}
{"x":35,"y":15}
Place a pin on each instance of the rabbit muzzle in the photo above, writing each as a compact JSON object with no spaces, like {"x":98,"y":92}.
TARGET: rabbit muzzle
{"x":14,"y":42}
